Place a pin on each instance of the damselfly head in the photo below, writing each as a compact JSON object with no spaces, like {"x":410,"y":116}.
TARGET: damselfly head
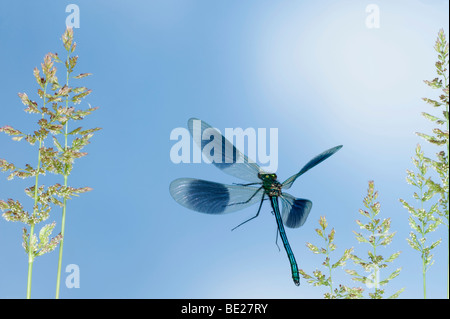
{"x":269,"y":176}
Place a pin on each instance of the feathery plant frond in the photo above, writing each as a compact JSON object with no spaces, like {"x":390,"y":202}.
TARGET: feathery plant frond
{"x":423,"y":221}
{"x":68,"y":152}
{"x":440,"y":136}
{"x":42,"y":197}
{"x":376,"y":233}
{"x":318,"y":278}
{"x":54,"y":116}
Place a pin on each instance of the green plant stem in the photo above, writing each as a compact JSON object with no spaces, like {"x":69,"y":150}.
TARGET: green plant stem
{"x":424,"y":262}
{"x":424,"y":271}
{"x":331,"y":280}
{"x":35,"y":207}
{"x":30,"y":245}
{"x":329,"y":265}
{"x":424,"y":266}
{"x":374,"y":247}
{"x":63,"y":218}
{"x":376,"y":275}
{"x":61,"y":244}
{"x":448,"y":236}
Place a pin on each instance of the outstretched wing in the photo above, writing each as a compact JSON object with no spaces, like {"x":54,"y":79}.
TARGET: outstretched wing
{"x":316,"y":160}
{"x":295,"y":210}
{"x":213,"y":198}
{"x":222,"y":153}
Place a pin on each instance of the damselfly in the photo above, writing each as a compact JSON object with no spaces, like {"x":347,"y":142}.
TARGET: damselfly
{"x":216,"y":198}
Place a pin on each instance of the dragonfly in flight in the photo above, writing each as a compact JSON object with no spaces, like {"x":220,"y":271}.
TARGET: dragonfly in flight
{"x":217,"y":198}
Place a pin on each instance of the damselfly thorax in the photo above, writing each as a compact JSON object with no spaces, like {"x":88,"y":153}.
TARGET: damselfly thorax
{"x":271,"y":185}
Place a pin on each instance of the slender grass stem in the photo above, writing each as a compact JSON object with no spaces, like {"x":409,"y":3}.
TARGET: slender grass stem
{"x":30,"y":245}
{"x":374,"y":248}
{"x":447,"y":148}
{"x":69,"y":152}
{"x":35,"y":209}
{"x":329,"y":271}
{"x":424,"y":261}
{"x":327,"y":259}
{"x":63,"y":218}
{"x":61,"y":244}
{"x":424,"y":272}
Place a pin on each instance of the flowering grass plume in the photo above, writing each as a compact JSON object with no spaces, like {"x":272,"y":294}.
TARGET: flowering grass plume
{"x":53,"y":114}
{"x":376,"y":233}
{"x":432,"y":189}
{"x":318,"y":277}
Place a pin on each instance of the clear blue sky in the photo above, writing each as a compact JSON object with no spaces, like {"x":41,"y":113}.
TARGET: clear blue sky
{"x":312,"y":69}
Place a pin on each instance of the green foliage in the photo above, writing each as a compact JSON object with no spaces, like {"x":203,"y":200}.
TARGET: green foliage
{"x":318,"y":278}
{"x":440,"y":136}
{"x":13,"y":210}
{"x":66,"y":152}
{"x":376,"y":233}
{"x":54,"y":116}
{"x":421,"y":220}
